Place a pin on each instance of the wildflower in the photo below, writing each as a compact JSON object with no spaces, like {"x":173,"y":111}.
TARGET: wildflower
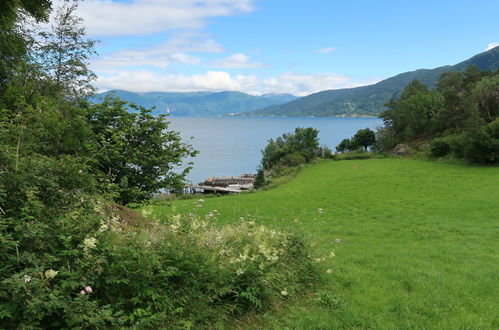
{"x":103,"y":227}
{"x":241,"y":218}
{"x":146,"y":213}
{"x":211,"y":215}
{"x":80,"y":171}
{"x":27,"y":278}
{"x":338,"y":240}
{"x":201,"y":200}
{"x":320,"y":210}
{"x":329,"y":271}
{"x":83,"y":292}
{"x":88,"y":289}
{"x":51,"y":273}
{"x":89,"y":243}
{"x":332,"y":254}
{"x":284,"y":292}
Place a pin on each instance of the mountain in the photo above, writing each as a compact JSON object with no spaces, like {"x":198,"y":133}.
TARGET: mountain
{"x":370,"y":100}
{"x":198,"y":103}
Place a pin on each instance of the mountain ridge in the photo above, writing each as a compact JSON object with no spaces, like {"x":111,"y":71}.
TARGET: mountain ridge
{"x":368,"y":101}
{"x":197,"y":103}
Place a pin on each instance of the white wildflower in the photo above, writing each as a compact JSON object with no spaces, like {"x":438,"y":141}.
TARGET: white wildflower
{"x":284,"y":292}
{"x":51,"y":273}
{"x":27,"y":278}
{"x":146,"y":212}
{"x":89,"y":243}
{"x":201,"y":200}
{"x":320,"y":210}
{"x":338,"y":240}
{"x":329,"y":271}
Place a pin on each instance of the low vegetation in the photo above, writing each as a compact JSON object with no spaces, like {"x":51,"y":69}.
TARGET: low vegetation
{"x":415,"y":242}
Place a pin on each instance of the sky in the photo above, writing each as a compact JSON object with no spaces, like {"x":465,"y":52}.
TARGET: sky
{"x":279,"y":46}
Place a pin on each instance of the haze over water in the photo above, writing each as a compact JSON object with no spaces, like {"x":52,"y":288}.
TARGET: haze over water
{"x":232,"y":146}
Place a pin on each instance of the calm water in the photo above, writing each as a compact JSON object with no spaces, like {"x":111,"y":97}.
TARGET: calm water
{"x":232,"y":146}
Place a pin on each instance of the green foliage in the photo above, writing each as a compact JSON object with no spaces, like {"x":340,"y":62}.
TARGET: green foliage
{"x":291,"y":149}
{"x":459,"y":111}
{"x":62,"y":53}
{"x":259,"y":179}
{"x":135,"y":150}
{"x":344,"y":145}
{"x":483,"y":146}
{"x":439,"y":147}
{"x":364,"y":138}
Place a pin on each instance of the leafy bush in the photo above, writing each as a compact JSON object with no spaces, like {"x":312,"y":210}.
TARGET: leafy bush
{"x":439,"y":147}
{"x":483,"y":145}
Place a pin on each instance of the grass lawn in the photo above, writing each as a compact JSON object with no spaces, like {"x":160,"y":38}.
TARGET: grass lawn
{"x":419,"y":242}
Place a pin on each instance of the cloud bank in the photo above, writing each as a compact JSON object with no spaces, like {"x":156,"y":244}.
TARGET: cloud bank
{"x":293,"y":83}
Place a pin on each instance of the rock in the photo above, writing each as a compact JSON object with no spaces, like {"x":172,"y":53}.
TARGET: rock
{"x":401,"y":150}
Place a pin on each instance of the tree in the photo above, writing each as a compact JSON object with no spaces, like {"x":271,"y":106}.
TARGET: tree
{"x":345,"y":145}
{"x":364,"y":138}
{"x":136,"y":151}
{"x":484,"y":99}
{"x":63,"y":52}
{"x":291,"y":148}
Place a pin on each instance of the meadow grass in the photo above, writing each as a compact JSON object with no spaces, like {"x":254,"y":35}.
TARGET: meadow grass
{"x":419,"y":243}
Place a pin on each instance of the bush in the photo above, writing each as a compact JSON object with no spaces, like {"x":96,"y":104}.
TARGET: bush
{"x":293,"y":159}
{"x":483,"y":145}
{"x":439,"y":147}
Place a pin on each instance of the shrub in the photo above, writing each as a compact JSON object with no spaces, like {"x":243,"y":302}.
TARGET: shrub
{"x":483,"y":145}
{"x":439,"y":147}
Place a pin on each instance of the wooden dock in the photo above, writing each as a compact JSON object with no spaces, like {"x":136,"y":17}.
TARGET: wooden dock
{"x":224,"y":185}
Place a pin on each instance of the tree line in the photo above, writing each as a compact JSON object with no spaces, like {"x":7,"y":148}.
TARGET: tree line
{"x":458,"y":117}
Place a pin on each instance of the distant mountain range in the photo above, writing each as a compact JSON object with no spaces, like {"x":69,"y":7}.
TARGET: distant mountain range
{"x":351,"y":102}
{"x":370,"y":100}
{"x":198,"y":103}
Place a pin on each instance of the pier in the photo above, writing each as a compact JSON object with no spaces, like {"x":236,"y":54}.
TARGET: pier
{"x":224,"y":185}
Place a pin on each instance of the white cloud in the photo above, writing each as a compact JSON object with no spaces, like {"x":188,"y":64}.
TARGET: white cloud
{"x":325,"y":50}
{"x":141,"y":17}
{"x":297,"y":84}
{"x":173,"y":51}
{"x":238,"y":61}
{"x":492,"y":45}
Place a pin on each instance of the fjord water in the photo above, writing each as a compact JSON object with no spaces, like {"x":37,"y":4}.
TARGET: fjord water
{"x":232,"y":146}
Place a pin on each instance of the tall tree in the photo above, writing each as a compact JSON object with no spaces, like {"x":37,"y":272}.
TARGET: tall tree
{"x":63,"y":53}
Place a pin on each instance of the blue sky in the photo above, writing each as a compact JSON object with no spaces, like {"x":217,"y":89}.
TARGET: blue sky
{"x":279,"y":46}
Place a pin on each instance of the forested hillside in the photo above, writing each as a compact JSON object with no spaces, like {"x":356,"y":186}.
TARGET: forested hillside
{"x":198,"y":103}
{"x":370,"y":100}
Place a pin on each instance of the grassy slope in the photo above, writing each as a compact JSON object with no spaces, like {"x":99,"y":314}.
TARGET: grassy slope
{"x":419,"y":248}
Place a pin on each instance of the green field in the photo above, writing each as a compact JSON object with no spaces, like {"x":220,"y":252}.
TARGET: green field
{"x":419,"y":243}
